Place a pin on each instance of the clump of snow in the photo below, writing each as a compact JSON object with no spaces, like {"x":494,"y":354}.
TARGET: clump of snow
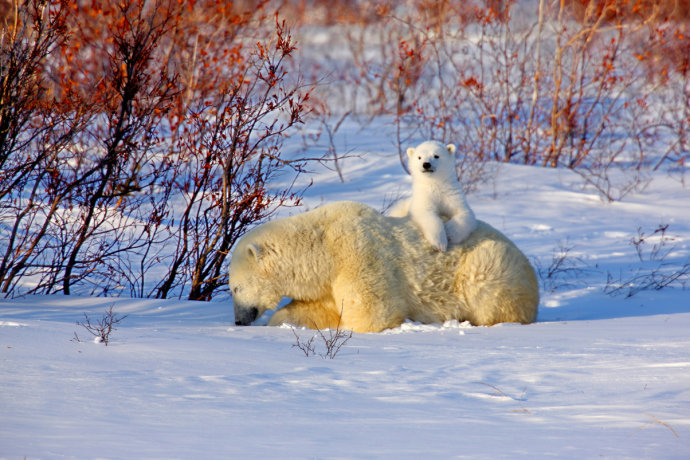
{"x":11,"y":324}
{"x":411,"y":326}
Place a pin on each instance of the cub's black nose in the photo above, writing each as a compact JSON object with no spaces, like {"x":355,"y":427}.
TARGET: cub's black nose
{"x":426,"y":165}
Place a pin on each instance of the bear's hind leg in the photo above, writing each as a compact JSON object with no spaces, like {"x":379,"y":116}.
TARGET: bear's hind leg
{"x":312,"y":314}
{"x":366,"y":308}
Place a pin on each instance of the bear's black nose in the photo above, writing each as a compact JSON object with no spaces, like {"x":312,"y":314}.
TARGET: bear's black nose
{"x":426,"y":165}
{"x":244,"y":316}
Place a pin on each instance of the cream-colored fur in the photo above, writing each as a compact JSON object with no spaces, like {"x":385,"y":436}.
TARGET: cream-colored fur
{"x":346,"y":258}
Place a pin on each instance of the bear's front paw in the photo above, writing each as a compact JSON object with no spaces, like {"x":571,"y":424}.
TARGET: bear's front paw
{"x":433,"y":230}
{"x":458,"y":232}
{"x":440,"y":244}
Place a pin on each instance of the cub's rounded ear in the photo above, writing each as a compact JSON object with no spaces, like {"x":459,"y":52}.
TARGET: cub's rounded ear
{"x":410,"y":152}
{"x":254,"y":251}
{"x":451,"y":148}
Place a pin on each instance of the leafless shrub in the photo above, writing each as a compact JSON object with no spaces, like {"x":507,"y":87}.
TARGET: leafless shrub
{"x":562,"y":270}
{"x":640,"y":241}
{"x":126,"y":147}
{"x":392,"y":200}
{"x":647,"y":279}
{"x":610,"y":180}
{"x":307,"y":347}
{"x":331,"y":130}
{"x":227,"y":149}
{"x":556,"y":84}
{"x":29,"y":148}
{"x":332,"y":339}
{"x":102,"y":327}
{"x":673,"y":123}
{"x":324,"y":138}
{"x":82,"y":184}
{"x":655,"y":269}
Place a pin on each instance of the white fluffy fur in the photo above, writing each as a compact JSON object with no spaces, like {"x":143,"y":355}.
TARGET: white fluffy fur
{"x":438,"y":204}
{"x":347,"y":258}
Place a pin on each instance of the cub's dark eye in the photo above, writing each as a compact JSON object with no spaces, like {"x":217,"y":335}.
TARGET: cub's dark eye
{"x":419,"y":158}
{"x":436,"y":156}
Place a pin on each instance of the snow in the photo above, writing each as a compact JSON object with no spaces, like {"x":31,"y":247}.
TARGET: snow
{"x":598,"y":375}
{"x":178,"y":381}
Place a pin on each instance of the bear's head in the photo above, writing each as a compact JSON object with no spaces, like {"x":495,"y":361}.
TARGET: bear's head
{"x":431,"y":158}
{"x":251,"y":276}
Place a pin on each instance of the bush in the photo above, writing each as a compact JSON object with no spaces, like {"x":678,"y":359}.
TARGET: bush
{"x":102,"y":328}
{"x":655,"y":269}
{"x":136,"y":139}
{"x":554,"y":84}
{"x":332,"y":339}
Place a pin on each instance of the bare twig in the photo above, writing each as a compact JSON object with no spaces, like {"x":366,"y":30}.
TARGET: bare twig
{"x":333,"y":340}
{"x":562,"y":268}
{"x":656,"y":421}
{"x":500,"y":392}
{"x":654,"y":270}
{"x":306,"y":347}
{"x":103,"y":327}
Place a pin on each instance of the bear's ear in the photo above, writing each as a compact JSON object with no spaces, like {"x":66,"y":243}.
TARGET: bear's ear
{"x":410,"y":152}
{"x":451,"y":148}
{"x":254,"y":251}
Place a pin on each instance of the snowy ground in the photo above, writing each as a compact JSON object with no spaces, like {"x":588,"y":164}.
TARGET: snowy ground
{"x":596,"y":376}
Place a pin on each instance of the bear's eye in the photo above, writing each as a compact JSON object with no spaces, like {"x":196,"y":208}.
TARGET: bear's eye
{"x":436,"y":156}
{"x":419,"y":158}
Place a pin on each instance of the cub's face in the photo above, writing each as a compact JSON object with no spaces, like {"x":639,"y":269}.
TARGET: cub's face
{"x":252,"y":284}
{"x":431,"y":158}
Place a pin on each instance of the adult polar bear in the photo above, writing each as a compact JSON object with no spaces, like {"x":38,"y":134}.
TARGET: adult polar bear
{"x":347,"y":259}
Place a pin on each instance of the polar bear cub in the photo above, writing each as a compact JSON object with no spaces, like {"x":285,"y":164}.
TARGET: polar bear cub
{"x":438,"y":205}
